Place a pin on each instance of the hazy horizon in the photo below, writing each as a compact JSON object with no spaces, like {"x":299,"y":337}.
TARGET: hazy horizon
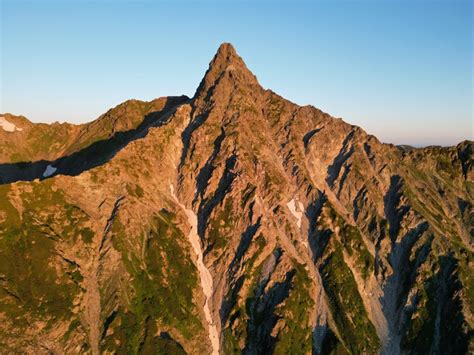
{"x":400,"y":70}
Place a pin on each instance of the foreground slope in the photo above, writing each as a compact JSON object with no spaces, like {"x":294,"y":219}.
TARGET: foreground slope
{"x":236,"y":222}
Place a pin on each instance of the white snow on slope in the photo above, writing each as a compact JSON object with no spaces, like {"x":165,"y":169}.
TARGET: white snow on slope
{"x":205,"y":275}
{"x":50,"y":170}
{"x":296,"y":210}
{"x":8,"y":126}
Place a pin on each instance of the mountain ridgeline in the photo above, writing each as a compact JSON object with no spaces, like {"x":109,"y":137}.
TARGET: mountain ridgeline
{"x":231,"y":222}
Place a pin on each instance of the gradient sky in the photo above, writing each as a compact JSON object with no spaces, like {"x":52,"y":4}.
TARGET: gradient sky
{"x":402,"y":70}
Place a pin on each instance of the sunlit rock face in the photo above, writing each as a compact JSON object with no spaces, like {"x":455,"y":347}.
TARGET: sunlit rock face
{"x":231,"y":222}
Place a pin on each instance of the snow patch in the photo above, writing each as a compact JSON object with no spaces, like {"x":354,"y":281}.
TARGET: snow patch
{"x":205,"y":275}
{"x":296,"y":208}
{"x":50,"y":170}
{"x":8,"y":126}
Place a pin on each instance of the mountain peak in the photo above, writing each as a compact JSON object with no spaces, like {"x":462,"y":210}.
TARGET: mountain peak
{"x":225,"y":57}
{"x":226,"y":50}
{"x":192,"y":209}
{"x":226,"y":61}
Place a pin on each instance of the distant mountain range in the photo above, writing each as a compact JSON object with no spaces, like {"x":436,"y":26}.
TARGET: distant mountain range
{"x":231,"y":222}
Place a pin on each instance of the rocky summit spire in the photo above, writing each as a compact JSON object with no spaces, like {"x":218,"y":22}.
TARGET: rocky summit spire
{"x":226,"y":61}
{"x":226,"y":51}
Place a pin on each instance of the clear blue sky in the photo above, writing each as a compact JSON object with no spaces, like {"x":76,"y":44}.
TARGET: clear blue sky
{"x":402,"y":70}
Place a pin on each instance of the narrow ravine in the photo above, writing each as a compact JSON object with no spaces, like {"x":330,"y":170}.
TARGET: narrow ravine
{"x":205,"y":275}
{"x":320,"y":312}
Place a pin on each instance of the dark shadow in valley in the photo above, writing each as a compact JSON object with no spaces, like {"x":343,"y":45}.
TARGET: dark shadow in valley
{"x":410,"y":249}
{"x":207,"y":205}
{"x":344,"y":154}
{"x":441,"y":328}
{"x":307,"y":137}
{"x":92,"y":156}
{"x":197,"y":120}
{"x":229,"y":302}
{"x":205,"y":174}
{"x":263,"y":316}
{"x":317,"y":237}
